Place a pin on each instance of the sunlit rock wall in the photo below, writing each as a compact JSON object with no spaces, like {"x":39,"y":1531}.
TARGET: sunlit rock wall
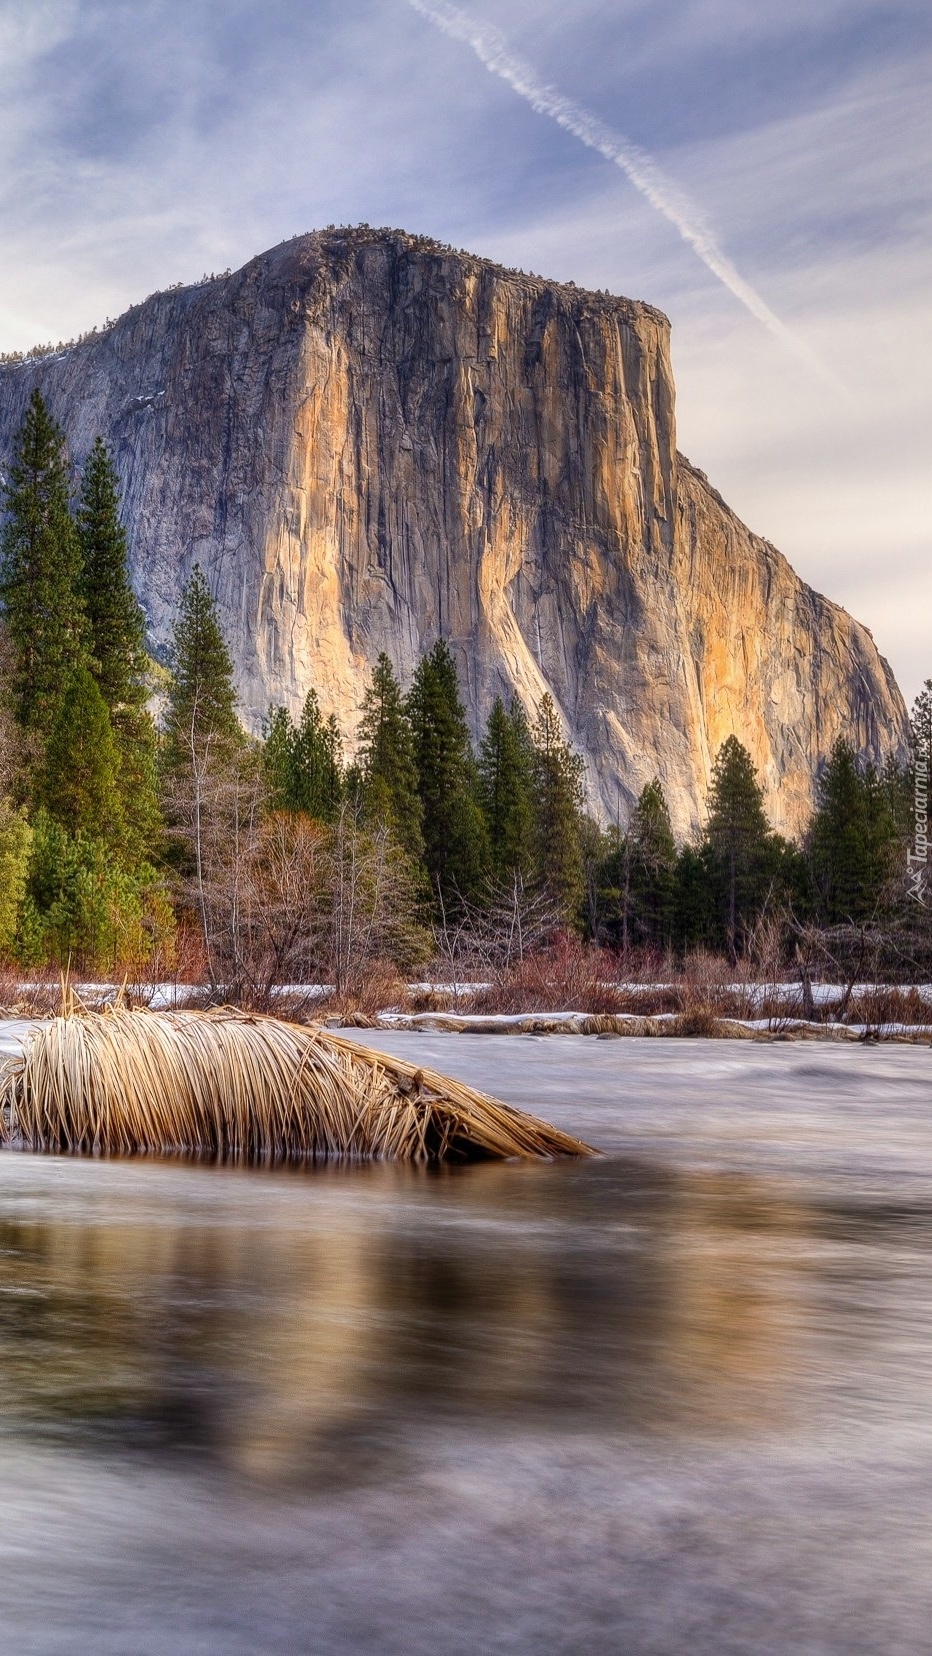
{"x":368,"y":441}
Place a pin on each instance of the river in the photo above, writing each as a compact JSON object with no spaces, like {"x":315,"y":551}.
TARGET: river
{"x":678,"y":1399}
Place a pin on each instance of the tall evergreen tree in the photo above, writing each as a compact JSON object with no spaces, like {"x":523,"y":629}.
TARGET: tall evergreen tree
{"x":455,"y":845}
{"x":13,"y":743}
{"x":115,"y":623}
{"x":558,"y":809}
{"x":693,"y":899}
{"x":386,"y":759}
{"x":116,"y":642}
{"x":278,"y":759}
{"x":318,"y":774}
{"x":40,"y":572}
{"x":201,"y":716}
{"x":15,"y":852}
{"x":303,"y":763}
{"x":921,"y":724}
{"x":739,"y":839}
{"x":210,"y":772}
{"x":604,"y":860}
{"x":506,"y":790}
{"x":854,"y":837}
{"x":82,"y":907}
{"x":651,"y":867}
{"x":78,"y":782}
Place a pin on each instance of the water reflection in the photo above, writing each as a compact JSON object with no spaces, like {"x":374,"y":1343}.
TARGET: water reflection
{"x":593,"y":1408}
{"x":306,"y":1326}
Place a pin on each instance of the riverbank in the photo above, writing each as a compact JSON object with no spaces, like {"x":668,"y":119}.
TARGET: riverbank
{"x":664,"y":1025}
{"x":724,"y":1011}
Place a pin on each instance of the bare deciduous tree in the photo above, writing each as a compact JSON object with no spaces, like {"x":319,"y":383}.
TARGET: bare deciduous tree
{"x":284,"y":900}
{"x":489,"y":939}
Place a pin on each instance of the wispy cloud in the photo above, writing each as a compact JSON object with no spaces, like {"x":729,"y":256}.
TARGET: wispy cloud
{"x":143,"y":142}
{"x":639,"y":167}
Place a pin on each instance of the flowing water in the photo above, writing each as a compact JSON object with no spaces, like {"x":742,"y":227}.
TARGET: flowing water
{"x":675,"y":1400}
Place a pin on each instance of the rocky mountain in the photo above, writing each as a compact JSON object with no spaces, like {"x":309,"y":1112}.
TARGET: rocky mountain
{"x":368,"y":440}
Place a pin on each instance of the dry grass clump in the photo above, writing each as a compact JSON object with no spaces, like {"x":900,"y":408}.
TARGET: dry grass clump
{"x":377,"y":989}
{"x":880,"y":1005}
{"x":700,"y":997}
{"x":699,"y":1021}
{"x":248,"y":1089}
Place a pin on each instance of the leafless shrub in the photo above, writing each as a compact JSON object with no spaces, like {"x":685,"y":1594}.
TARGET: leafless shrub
{"x":766,"y":991}
{"x":377,"y":988}
{"x":880,"y":1006}
{"x":488,"y":941}
{"x":568,"y":975}
{"x":704,"y":986}
{"x":372,"y":904}
{"x":39,"y":997}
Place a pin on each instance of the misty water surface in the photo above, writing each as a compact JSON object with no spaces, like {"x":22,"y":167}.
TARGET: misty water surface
{"x":677,"y":1399}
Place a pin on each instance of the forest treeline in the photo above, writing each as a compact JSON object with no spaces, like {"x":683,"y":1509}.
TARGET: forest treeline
{"x":135,"y":844}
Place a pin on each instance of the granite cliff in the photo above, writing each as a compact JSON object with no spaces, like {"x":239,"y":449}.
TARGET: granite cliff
{"x":367,"y":440}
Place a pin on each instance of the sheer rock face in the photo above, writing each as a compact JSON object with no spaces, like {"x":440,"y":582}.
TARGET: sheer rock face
{"x":368,"y":441}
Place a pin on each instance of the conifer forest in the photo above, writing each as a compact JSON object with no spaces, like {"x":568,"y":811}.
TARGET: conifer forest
{"x":144,"y":832}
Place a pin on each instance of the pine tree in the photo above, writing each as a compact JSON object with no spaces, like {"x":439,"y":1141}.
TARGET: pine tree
{"x":316,"y":763}
{"x":604,"y":859}
{"x":303,"y":763}
{"x":693,"y":905}
{"x":116,"y":642}
{"x":389,"y":778}
{"x":78,"y":782}
{"x":839,"y":853}
{"x":203,"y":753}
{"x":651,"y":866}
{"x":506,"y":790}
{"x":921,"y":723}
{"x":455,"y":845}
{"x":115,"y":623}
{"x":83,"y":908}
{"x":558,"y":809}
{"x":278,"y":759}
{"x":40,"y":572}
{"x":739,"y":839}
{"x":855,"y":837}
{"x":138,"y":782}
{"x":13,"y":743}
{"x":201,"y":718}
{"x":15,"y":851}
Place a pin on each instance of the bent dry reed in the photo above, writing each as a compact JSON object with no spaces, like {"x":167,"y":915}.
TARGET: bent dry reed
{"x":247,"y":1089}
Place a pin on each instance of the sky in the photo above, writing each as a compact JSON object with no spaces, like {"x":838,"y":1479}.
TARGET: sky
{"x":145,"y":142}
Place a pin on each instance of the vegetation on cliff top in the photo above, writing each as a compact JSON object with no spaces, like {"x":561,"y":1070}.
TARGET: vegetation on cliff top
{"x":335,"y":236}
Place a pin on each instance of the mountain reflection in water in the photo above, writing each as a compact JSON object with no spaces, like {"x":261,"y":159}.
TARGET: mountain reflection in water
{"x":625,"y":1405}
{"x":259,"y":1319}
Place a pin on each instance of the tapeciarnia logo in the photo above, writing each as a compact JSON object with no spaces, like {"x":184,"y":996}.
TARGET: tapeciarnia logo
{"x":918,"y":857}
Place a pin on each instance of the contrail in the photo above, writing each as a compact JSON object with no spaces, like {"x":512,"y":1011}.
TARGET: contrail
{"x":491,"y":47}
